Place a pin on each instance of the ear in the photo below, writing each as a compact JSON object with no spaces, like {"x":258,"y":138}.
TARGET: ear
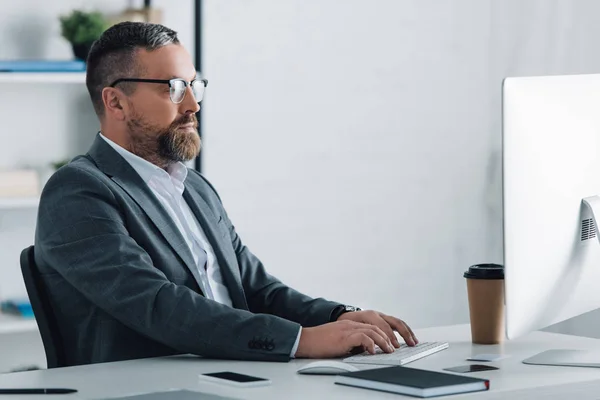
{"x":115,"y":104}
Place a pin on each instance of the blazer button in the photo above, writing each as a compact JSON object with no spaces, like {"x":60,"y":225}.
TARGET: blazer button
{"x":270,"y":347}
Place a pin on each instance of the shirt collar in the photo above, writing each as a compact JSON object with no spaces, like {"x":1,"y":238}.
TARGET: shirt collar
{"x":146,"y":170}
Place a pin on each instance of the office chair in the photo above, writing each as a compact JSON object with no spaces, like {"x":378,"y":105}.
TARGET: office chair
{"x":44,"y":316}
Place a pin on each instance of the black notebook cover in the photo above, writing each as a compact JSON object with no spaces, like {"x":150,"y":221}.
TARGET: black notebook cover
{"x":412,"y":381}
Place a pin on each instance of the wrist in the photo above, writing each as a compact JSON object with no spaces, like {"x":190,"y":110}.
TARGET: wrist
{"x":303,"y":350}
{"x":340,"y":310}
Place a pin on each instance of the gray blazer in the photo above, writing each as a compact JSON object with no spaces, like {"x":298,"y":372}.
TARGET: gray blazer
{"x":123,"y":283}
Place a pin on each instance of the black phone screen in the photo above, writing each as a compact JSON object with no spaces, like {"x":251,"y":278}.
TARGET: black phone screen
{"x":463,"y":369}
{"x":235,"y":377}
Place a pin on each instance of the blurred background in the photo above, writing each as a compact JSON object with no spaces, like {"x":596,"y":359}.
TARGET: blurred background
{"x":356,"y":144}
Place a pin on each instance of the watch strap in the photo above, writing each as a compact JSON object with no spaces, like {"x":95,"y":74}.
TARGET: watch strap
{"x":337,"y":312}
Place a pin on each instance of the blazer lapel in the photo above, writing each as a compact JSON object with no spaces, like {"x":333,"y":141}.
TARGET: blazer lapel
{"x":108,"y":160}
{"x":220,"y":244}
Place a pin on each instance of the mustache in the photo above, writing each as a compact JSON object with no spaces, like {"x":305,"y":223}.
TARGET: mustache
{"x":186,"y":119}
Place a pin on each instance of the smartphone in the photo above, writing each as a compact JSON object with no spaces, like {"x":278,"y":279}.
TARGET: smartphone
{"x":464,"y":369}
{"x":235,"y":379}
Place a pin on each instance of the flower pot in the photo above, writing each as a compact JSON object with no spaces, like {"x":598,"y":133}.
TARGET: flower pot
{"x":81,"y":50}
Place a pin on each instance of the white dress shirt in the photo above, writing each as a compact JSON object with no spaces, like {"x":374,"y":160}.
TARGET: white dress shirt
{"x":168,"y":188}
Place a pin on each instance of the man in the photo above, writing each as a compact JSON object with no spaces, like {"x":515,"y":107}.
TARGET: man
{"x":137,"y":252}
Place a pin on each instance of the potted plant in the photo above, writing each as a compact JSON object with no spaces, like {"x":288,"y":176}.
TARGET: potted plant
{"x":81,"y":28}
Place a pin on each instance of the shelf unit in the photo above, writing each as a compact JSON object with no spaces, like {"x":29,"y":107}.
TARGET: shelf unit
{"x":14,"y":324}
{"x":42,"y":77}
{"x":10,"y":324}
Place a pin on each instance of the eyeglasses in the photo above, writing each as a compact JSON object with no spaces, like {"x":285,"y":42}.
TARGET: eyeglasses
{"x":178,"y":87}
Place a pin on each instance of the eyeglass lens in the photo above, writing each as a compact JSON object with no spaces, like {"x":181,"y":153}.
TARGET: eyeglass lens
{"x":178,"y":90}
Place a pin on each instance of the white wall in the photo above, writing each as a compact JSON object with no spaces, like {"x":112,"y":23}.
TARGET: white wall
{"x":356,"y":144}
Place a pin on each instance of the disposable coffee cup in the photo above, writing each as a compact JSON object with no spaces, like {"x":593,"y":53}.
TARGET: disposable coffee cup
{"x":485,"y":289}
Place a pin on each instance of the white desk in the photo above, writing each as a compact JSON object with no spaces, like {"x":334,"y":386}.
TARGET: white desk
{"x":157,"y":374}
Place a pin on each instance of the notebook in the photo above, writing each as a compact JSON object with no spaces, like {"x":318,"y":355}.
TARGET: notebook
{"x":412,"y":381}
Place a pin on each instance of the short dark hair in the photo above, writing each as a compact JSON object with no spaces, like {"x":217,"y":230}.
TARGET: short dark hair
{"x":112,"y":56}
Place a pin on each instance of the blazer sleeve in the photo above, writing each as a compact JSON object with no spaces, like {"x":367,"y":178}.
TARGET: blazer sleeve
{"x":81,"y":234}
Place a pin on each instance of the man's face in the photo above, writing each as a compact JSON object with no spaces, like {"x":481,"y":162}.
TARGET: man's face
{"x":159,"y":130}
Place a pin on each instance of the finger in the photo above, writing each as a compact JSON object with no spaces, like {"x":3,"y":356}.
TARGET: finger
{"x":358,"y":344}
{"x":384,"y":329}
{"x":412,"y":333}
{"x":403,"y":329}
{"x":387,"y":329}
{"x":357,"y":350}
{"x":363,"y":340}
{"x":379,"y":338}
{"x":378,"y":330}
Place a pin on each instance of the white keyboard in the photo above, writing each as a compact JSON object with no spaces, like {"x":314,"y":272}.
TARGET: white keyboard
{"x":401,"y":356}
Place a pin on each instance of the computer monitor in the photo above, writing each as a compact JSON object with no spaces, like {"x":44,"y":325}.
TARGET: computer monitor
{"x":551,"y":183}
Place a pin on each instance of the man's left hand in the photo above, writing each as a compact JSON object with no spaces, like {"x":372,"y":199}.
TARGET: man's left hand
{"x":386,"y":323}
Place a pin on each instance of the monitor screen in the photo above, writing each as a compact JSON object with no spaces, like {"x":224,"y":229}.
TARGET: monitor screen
{"x":551,"y":163}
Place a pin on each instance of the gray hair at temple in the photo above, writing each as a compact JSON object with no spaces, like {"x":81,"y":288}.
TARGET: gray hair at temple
{"x":112,"y":56}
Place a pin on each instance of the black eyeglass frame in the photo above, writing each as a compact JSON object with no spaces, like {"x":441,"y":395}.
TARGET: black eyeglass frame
{"x":164,"y":81}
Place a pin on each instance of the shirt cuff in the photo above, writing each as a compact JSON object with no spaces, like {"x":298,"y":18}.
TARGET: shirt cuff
{"x":295,"y":348}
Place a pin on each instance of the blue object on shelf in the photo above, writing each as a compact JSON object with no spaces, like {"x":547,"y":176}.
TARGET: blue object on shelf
{"x":42,"y":66}
{"x":21,"y":308}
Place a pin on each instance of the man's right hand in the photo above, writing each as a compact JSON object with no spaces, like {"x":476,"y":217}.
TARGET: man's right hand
{"x":339,"y":338}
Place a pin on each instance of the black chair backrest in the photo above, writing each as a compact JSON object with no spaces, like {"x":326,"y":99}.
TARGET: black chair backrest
{"x":44,"y":316}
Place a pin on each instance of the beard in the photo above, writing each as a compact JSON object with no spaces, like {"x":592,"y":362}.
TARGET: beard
{"x":164,"y":146}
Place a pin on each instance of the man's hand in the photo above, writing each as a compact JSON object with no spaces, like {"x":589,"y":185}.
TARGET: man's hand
{"x":386,"y":323}
{"x":339,"y":338}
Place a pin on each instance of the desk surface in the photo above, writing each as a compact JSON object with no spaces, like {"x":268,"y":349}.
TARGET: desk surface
{"x":157,"y":374}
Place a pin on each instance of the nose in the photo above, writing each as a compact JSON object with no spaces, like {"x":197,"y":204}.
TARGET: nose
{"x":189,"y":103}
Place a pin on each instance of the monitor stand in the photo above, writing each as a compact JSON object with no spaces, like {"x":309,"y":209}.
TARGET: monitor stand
{"x":589,"y":213}
{"x":568,"y":358}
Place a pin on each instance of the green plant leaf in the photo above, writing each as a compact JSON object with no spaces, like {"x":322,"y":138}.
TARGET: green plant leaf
{"x":81,"y":27}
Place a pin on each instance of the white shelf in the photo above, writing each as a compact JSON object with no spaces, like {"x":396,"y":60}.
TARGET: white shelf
{"x":18,"y":202}
{"x":42,"y":77}
{"x":15,"y":324}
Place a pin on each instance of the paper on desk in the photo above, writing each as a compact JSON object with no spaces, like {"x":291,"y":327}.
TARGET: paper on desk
{"x":172,"y":395}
